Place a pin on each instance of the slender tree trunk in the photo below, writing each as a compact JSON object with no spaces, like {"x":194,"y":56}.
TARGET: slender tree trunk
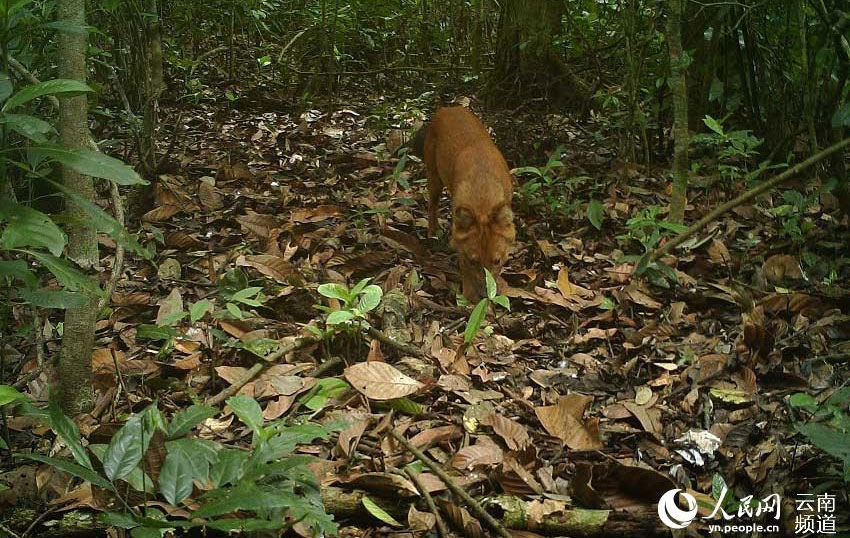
{"x":153,"y":88}
{"x":74,"y":369}
{"x":477,"y":28}
{"x":679,"y":93}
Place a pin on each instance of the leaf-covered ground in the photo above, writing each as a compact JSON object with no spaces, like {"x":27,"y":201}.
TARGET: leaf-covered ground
{"x":596,"y":390}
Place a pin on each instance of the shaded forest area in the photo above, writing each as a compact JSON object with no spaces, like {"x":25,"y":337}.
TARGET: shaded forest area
{"x":228,"y":310}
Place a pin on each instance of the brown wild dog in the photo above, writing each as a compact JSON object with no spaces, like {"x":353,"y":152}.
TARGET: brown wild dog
{"x":460,"y":156}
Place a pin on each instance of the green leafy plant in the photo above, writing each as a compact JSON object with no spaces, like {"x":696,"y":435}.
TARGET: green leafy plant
{"x":647,"y":229}
{"x":30,"y":150}
{"x":548,"y":190}
{"x":735,"y":150}
{"x":267,"y":484}
{"x":476,"y":319}
{"x":355,"y":304}
{"x":828,"y":427}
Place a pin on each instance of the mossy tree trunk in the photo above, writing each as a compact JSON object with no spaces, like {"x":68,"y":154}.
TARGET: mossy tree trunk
{"x":74,"y":368}
{"x":679,"y":93}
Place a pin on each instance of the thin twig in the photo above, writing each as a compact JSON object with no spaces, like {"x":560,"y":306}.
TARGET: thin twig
{"x":255,"y":370}
{"x":765,"y":186}
{"x":118,"y":261}
{"x":441,"y":525}
{"x":473,"y":505}
{"x":9,"y":531}
{"x":41,"y":517}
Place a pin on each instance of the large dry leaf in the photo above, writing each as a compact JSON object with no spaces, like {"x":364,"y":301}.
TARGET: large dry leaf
{"x":315,"y":214}
{"x":380,"y":381}
{"x":259,"y":225}
{"x":183,"y":241}
{"x":169,"y":306}
{"x":468,"y":457}
{"x":564,"y":421}
{"x":161,"y":213}
{"x":208,"y":196}
{"x":272,"y":266}
{"x":513,"y":433}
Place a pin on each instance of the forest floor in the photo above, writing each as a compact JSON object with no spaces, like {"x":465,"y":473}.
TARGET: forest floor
{"x":596,"y":386}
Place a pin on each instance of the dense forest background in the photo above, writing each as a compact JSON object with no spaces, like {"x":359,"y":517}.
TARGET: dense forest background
{"x":222,"y":313}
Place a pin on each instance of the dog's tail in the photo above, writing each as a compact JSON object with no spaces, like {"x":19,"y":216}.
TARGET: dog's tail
{"x":417,"y":143}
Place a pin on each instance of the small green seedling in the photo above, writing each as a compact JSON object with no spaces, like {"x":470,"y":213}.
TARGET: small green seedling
{"x":476,"y":319}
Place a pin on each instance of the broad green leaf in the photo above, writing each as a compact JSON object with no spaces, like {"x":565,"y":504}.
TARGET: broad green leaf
{"x":335,"y":291}
{"x":234,"y":310}
{"x":229,"y":468}
{"x":245,"y":295}
{"x":475,"y":321}
{"x":379,"y":512}
{"x":137,"y":478}
{"x":91,"y":163}
{"x":199,"y":309}
{"x":104,"y":222}
{"x":527,"y":170}
{"x":371,"y":297}
{"x":841,"y":118}
{"x":147,"y":532}
{"x":202,"y":454}
{"x":185,"y":420}
{"x":176,"y":477}
{"x":18,"y":270}
{"x":642,"y":264}
{"x":6,"y":87}
{"x":30,"y":127}
{"x":68,"y":275}
{"x":339,"y":316}
{"x":125,"y":449}
{"x":9,"y":394}
{"x":45,"y":298}
{"x":156,"y":332}
{"x":30,"y":228}
{"x":73,"y":469}
{"x":502,"y":301}
{"x":67,"y":26}
{"x":68,"y":431}
{"x":833,"y":442}
{"x":119,"y":519}
{"x":595,"y":214}
{"x":803,"y":400}
{"x":326,"y":389}
{"x":355,"y":291}
{"x":48,"y":87}
{"x":406,"y":406}
{"x":713,"y":124}
{"x":490,"y":284}
{"x":248,"y":411}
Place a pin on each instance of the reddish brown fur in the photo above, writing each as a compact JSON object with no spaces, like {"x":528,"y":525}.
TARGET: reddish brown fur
{"x":460,"y":156}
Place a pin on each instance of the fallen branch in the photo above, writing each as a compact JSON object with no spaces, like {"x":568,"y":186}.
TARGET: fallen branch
{"x":467,"y":499}
{"x":254,"y":371}
{"x":746,"y":196}
{"x":520,"y":515}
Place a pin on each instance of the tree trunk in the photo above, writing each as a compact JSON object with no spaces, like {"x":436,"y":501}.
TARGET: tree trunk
{"x":679,"y":93}
{"x":527,"y":65}
{"x":74,"y":369}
